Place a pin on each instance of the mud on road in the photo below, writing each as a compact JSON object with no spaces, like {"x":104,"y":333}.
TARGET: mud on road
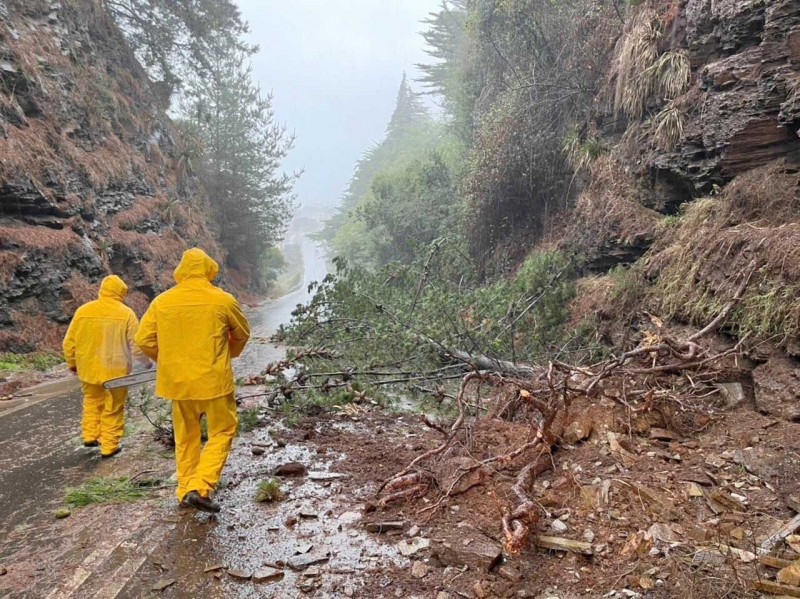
{"x":315,"y":540}
{"x":650,"y":515}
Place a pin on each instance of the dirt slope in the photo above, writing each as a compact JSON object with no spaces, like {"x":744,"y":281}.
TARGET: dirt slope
{"x":93,"y":175}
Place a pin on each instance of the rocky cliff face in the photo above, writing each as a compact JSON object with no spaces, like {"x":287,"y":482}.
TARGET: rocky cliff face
{"x":743,"y":110}
{"x":735,"y":175}
{"x":92,"y":172}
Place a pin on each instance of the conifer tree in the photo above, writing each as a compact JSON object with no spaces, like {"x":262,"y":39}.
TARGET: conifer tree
{"x":409,"y":133}
{"x":409,"y":111}
{"x":241,"y":167}
{"x":446,"y":38}
{"x":176,"y":38}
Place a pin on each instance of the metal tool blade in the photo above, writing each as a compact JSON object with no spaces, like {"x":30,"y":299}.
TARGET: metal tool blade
{"x":139,"y":378}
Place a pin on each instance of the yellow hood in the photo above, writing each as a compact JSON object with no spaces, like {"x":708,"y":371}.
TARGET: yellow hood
{"x":113,"y":287}
{"x":196,"y":264}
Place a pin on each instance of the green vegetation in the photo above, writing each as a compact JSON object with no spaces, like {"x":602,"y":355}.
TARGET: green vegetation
{"x":268,"y":491}
{"x":362,"y":225}
{"x":40,"y":361}
{"x":248,"y":420}
{"x":402,"y":319}
{"x":230,"y":141}
{"x":291,"y":274}
{"x":582,"y":152}
{"x":176,"y":37}
{"x":240,"y":168}
{"x":109,"y":490}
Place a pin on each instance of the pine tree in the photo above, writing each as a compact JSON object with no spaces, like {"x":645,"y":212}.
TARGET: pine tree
{"x":244,"y":147}
{"x":409,"y":111}
{"x":409,"y":132}
{"x":176,"y":38}
{"x":446,"y":38}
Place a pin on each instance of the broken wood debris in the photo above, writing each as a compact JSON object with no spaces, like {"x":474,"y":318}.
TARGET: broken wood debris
{"x":779,"y":535}
{"x":267,"y":574}
{"x":774,"y":588}
{"x":380,"y":527}
{"x":561,"y":544}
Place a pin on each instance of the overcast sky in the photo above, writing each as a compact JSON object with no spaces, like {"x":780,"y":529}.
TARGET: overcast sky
{"x":335,"y":67}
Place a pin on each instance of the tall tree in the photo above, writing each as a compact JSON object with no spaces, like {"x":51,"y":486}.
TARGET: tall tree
{"x":409,"y":111}
{"x":410,"y":133}
{"x":446,"y":39}
{"x":175,"y":37}
{"x":241,"y":169}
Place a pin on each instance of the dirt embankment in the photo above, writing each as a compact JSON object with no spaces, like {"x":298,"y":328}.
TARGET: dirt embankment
{"x":698,"y":187}
{"x":93,"y":176}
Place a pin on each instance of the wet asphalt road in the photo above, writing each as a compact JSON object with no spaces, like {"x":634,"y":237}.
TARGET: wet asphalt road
{"x":41,"y":453}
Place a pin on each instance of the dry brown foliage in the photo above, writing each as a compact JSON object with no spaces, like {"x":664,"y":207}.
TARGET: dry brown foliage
{"x":43,"y":238}
{"x":142,"y":209}
{"x":607,"y":213}
{"x":138,"y":302}
{"x":79,"y":290}
{"x":696,"y":260}
{"x":8,"y":262}
{"x":38,"y":330}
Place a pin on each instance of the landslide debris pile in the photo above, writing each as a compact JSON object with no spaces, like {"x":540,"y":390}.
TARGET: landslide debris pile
{"x":668,"y":468}
{"x":90,"y":170}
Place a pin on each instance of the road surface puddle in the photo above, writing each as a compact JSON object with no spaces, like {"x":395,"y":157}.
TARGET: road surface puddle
{"x":311,"y":543}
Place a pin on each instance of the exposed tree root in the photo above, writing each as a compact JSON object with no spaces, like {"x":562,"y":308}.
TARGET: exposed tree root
{"x":541,"y":398}
{"x":408,"y":493}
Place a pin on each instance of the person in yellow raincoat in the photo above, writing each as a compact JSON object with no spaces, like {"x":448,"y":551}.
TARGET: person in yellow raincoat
{"x":99,"y":346}
{"x":192,"y":331}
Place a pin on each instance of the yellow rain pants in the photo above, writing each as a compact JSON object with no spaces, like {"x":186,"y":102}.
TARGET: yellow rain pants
{"x":103,"y":416}
{"x":99,"y":346}
{"x":193,"y":331}
{"x":199,"y":469}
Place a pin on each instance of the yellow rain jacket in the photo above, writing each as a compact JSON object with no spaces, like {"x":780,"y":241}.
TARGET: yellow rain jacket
{"x":100,"y":339}
{"x":192,"y":331}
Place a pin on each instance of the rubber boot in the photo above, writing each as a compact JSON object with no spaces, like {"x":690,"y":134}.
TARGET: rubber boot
{"x":203,"y":504}
{"x":105,"y":456}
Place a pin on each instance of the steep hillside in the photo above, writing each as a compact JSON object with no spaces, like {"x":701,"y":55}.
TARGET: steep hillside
{"x":93,"y":175}
{"x":699,"y":187}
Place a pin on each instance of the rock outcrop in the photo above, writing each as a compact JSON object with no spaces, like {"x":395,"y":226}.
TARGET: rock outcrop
{"x":90,"y":177}
{"x":743,"y":110}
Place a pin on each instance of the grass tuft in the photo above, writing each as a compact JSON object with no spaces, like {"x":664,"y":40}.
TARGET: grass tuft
{"x":637,"y":51}
{"x":108,"y":490}
{"x":670,"y":74}
{"x":248,"y":420}
{"x":669,"y":126}
{"x":581,"y":153}
{"x":40,"y":361}
{"x":268,"y":491}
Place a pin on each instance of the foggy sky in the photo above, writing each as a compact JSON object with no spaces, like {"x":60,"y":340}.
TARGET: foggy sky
{"x":335,"y":67}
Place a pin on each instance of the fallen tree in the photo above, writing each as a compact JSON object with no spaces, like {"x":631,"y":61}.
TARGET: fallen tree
{"x":536,"y":399}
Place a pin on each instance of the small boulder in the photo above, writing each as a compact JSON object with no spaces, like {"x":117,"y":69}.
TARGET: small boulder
{"x":559,"y":527}
{"x":291,"y":469}
{"x":468,"y":548}
{"x":419,"y":570}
